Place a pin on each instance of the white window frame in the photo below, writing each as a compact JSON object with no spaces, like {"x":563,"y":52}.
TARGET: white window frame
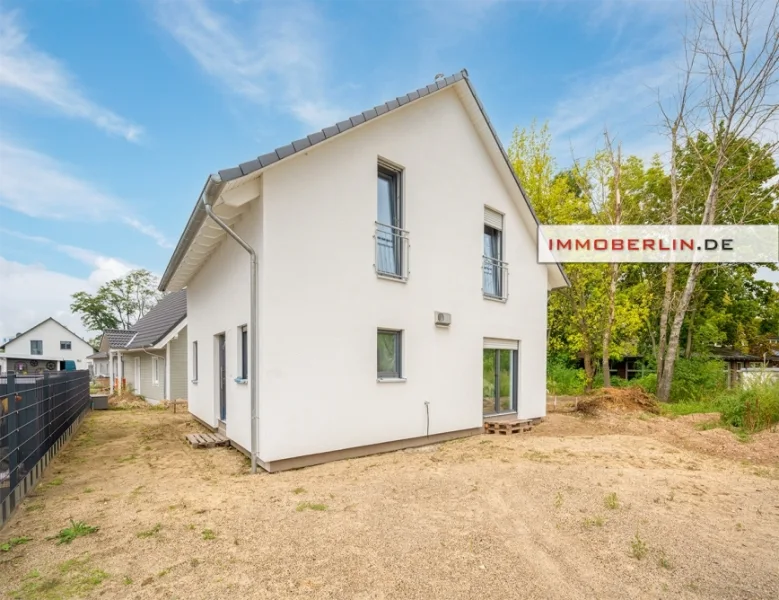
{"x":68,"y":347}
{"x":41,"y":348}
{"x":241,"y":367}
{"x":155,"y":370}
{"x":399,"y":375}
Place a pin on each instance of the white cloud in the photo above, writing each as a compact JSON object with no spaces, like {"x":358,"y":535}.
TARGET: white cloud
{"x":34,"y":293}
{"x":276,"y":56}
{"x":38,"y":293}
{"x":39,"y":186}
{"x":28,"y":72}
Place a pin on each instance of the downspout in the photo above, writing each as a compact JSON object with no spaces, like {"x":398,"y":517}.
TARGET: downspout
{"x":210,"y":194}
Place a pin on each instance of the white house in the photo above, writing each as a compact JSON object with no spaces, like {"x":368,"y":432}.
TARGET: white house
{"x":399,"y":298}
{"x":45,"y":347}
{"x":152,"y":356}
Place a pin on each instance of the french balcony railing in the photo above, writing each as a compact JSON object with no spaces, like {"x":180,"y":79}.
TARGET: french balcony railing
{"x":391,"y":252}
{"x":495,"y":278}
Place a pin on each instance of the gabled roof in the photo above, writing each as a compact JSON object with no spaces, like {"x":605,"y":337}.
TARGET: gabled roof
{"x":118,"y":338}
{"x":160,"y":320}
{"x":41,"y":323}
{"x":98,"y":355}
{"x":244,"y":170}
{"x":150,"y":329}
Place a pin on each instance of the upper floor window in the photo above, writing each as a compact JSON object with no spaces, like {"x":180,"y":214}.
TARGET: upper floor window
{"x":494,"y":268}
{"x":65,"y":346}
{"x":36,"y":347}
{"x":391,"y":238}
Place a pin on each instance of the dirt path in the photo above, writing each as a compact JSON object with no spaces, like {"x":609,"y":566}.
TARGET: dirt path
{"x":561,"y":513}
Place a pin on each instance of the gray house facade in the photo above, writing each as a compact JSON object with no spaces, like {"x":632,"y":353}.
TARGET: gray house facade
{"x":151,"y":358}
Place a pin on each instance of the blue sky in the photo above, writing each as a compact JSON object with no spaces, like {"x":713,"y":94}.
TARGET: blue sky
{"x":112,"y":114}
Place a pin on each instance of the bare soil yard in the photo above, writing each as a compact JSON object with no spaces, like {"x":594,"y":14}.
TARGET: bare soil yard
{"x":615,"y":506}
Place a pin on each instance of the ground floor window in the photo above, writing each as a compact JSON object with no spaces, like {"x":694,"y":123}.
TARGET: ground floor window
{"x":155,"y":370}
{"x":499,"y":388}
{"x":243,"y":353}
{"x":388,"y":354}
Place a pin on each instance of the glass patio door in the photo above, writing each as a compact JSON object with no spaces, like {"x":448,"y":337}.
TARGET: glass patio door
{"x":500,"y":379}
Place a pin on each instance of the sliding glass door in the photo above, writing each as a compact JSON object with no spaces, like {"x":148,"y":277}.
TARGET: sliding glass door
{"x":499,"y":387}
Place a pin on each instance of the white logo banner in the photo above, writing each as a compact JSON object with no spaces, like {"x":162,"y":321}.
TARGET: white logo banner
{"x":658,"y":243}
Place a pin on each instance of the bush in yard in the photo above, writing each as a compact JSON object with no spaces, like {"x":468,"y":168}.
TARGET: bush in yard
{"x":564,"y":380}
{"x":751,"y":409}
{"x":647,"y":383}
{"x":697,"y":379}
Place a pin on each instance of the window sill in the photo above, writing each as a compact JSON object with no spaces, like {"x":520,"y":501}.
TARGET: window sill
{"x":495,"y":298}
{"x":390,"y":380}
{"x":241,"y":381}
{"x":390,"y":277}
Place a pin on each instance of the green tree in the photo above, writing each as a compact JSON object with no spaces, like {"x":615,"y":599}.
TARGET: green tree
{"x":119,"y":303}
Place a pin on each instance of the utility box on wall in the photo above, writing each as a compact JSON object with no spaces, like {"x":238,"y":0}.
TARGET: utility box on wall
{"x":443,"y":319}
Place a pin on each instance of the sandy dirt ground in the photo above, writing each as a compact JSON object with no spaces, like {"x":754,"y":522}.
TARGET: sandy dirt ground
{"x":622,"y":506}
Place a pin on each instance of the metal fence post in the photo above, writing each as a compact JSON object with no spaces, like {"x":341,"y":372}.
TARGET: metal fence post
{"x":13,"y":436}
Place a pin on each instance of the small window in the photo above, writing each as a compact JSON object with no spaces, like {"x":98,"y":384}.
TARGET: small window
{"x":388,"y":352}
{"x":243,"y":353}
{"x":36,"y":347}
{"x":64,"y":345}
{"x":494,"y":268}
{"x":155,"y":370}
{"x":194,"y":361}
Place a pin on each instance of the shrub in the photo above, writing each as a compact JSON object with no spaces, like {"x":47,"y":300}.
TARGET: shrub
{"x":751,"y":409}
{"x":647,"y":383}
{"x":697,"y":379}
{"x":564,"y":380}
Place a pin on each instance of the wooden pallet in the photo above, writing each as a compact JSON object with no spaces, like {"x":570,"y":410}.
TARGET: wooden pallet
{"x":207,"y":440}
{"x":507,"y":427}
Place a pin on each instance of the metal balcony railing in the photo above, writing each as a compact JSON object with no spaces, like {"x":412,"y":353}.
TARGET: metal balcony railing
{"x":495,"y":278}
{"x":391,"y":252}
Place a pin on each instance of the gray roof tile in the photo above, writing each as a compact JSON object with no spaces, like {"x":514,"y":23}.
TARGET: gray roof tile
{"x":317,"y":137}
{"x":250,"y":167}
{"x":231,"y":173}
{"x":343,"y":126}
{"x":330,"y":131}
{"x":285,"y":151}
{"x":369,"y":114}
{"x":268,"y":159}
{"x":381,"y":109}
{"x":301,"y":144}
{"x":423,"y":91}
{"x":402,"y":100}
{"x":357,"y":120}
{"x":160,"y":320}
{"x":119,"y":338}
{"x":392,"y":104}
{"x":413,"y":95}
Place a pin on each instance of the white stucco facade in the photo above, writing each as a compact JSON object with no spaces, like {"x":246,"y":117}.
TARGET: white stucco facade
{"x":321,"y":302}
{"x":53,"y":340}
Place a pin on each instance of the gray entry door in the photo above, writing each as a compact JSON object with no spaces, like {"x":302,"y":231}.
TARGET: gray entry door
{"x":220,"y":340}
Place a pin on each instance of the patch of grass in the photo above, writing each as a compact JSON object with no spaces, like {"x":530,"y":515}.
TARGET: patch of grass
{"x":129,"y":458}
{"x":127,"y":580}
{"x":663,"y":561}
{"x":74,"y":580}
{"x":638,"y":547}
{"x":208,"y":534}
{"x":611,"y":501}
{"x":537,"y":456}
{"x":164,"y":572}
{"x":34,"y":507}
{"x":17,"y":541}
{"x":596,"y":521}
{"x":56,"y":481}
{"x":681,"y":409}
{"x":310,"y":506}
{"x":149,"y":532}
{"x":88,"y":490}
{"x":299,"y":490}
{"x":77,"y":529}
{"x":193,"y":562}
{"x":558,"y":501}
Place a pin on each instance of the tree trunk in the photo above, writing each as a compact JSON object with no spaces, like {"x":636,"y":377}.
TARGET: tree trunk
{"x":614,"y":271}
{"x":670,"y":274}
{"x":690,"y":325}
{"x":589,"y":370}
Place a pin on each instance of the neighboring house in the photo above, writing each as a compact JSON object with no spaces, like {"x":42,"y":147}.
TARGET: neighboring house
{"x":99,"y":364}
{"x":151,"y":357}
{"x":45,"y":347}
{"x":365,"y":233}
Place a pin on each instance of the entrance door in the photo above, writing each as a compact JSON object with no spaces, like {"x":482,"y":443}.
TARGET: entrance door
{"x":137,"y":376}
{"x":220,"y":342}
{"x":500,"y":381}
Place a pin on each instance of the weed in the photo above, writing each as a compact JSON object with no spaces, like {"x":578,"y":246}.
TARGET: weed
{"x":191,"y":526}
{"x":164,"y":572}
{"x":88,"y":490}
{"x":611,"y":501}
{"x":663,"y":561}
{"x":590,"y":522}
{"x":150,"y":532}
{"x":193,"y":562}
{"x":208,"y":534}
{"x":310,"y":506}
{"x":76,"y":529}
{"x":558,"y":501}
{"x":638,"y":547}
{"x":129,"y":458}
{"x":127,"y":580}
{"x":56,"y":481}
{"x":33,"y":507}
{"x":739,"y":527}
{"x":17,"y":541}
{"x":74,"y":580}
